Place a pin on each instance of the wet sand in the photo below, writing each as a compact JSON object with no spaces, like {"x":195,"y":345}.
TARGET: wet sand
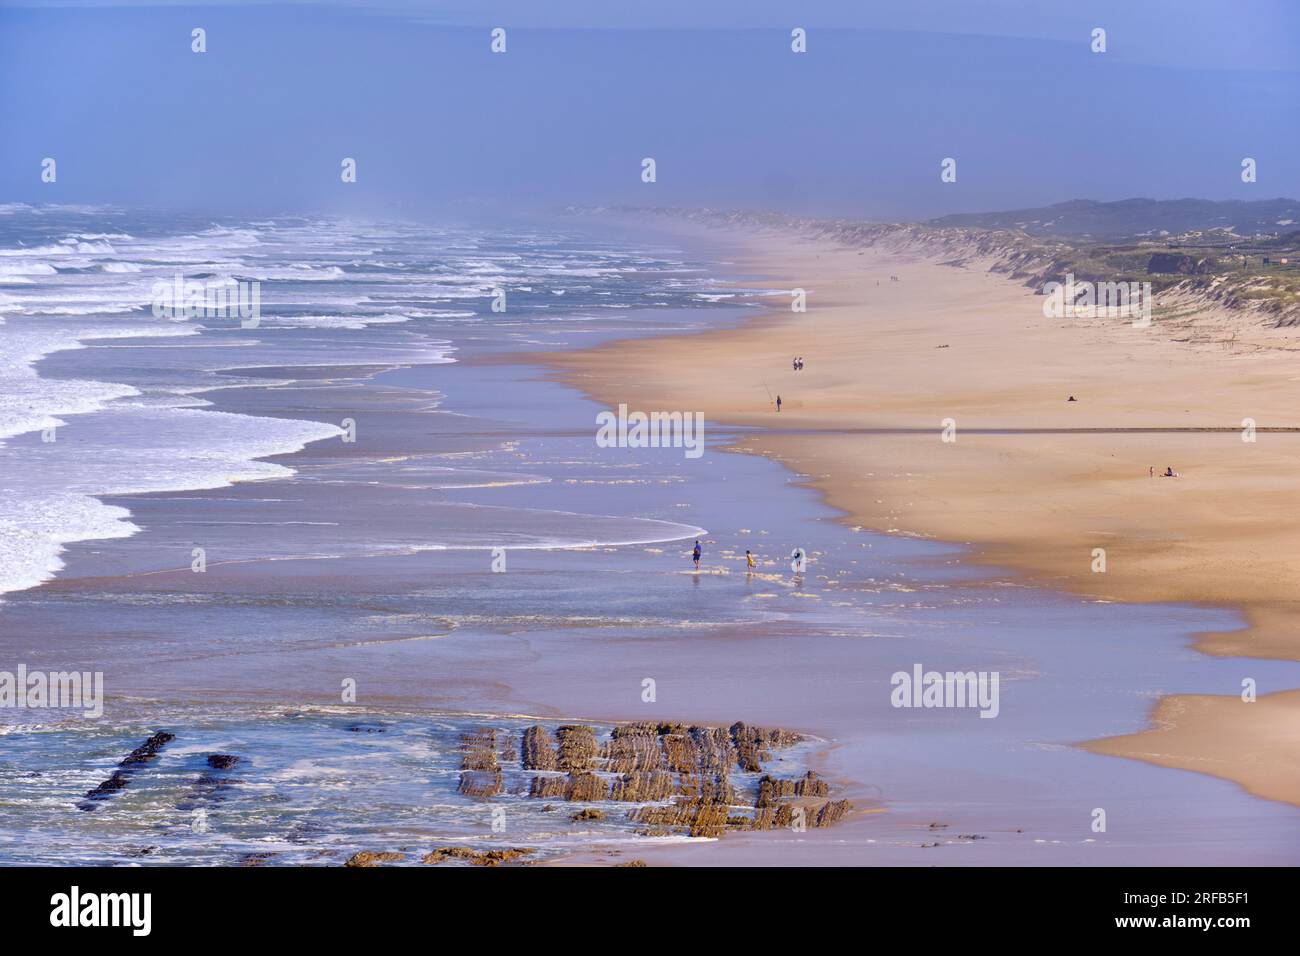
{"x":1034,"y":482}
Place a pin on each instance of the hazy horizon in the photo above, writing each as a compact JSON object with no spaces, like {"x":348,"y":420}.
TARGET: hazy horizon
{"x":856,"y":126}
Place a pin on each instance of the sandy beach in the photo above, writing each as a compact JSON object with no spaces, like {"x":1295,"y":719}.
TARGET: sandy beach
{"x":1032,"y":482}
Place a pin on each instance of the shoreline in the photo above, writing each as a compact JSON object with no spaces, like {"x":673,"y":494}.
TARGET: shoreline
{"x":1035,"y":491}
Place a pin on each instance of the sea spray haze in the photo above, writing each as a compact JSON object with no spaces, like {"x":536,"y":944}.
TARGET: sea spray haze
{"x":708,"y":122}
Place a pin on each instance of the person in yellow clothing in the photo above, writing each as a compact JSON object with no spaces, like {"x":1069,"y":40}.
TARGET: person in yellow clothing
{"x":749,"y":560}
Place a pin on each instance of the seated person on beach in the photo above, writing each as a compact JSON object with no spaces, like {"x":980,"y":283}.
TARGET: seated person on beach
{"x":1169,"y":472}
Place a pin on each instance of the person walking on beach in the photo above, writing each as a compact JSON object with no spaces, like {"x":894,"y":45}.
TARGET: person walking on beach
{"x":695,"y":555}
{"x":794,"y":364}
{"x":778,"y":403}
{"x":749,"y":560}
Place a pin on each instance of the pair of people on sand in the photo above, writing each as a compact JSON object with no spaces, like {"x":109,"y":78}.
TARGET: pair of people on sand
{"x":798,"y":364}
{"x":1167,"y":473}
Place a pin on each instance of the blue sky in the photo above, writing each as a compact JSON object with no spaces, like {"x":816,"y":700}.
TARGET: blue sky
{"x":857,"y":126}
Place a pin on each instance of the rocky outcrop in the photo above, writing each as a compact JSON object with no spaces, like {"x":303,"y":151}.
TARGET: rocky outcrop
{"x":643,"y":786}
{"x":474,"y":783}
{"x":497,"y":857}
{"x":586,"y":787}
{"x":831,"y":812}
{"x":146,"y":753}
{"x":107,"y":787}
{"x":754,"y":744}
{"x":476,"y":857}
{"x":548,"y":788}
{"x":578,"y":750}
{"x":772,"y":790}
{"x":799,"y":815}
{"x":628,"y":752}
{"x":811,"y":786}
{"x":780,"y":817}
{"x":373,"y":858}
{"x":699,"y":818}
{"x":700,"y":749}
{"x":680,"y":775}
{"x":480,"y":772}
{"x":714,"y":788}
{"x":535,"y":752}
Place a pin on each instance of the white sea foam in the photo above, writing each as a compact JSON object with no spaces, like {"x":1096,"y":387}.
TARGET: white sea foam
{"x":49,"y":500}
{"x":330,"y":321}
{"x":81,"y":287}
{"x":29,"y":403}
{"x":295,"y":273}
{"x":27,"y":269}
{"x":130,"y":442}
